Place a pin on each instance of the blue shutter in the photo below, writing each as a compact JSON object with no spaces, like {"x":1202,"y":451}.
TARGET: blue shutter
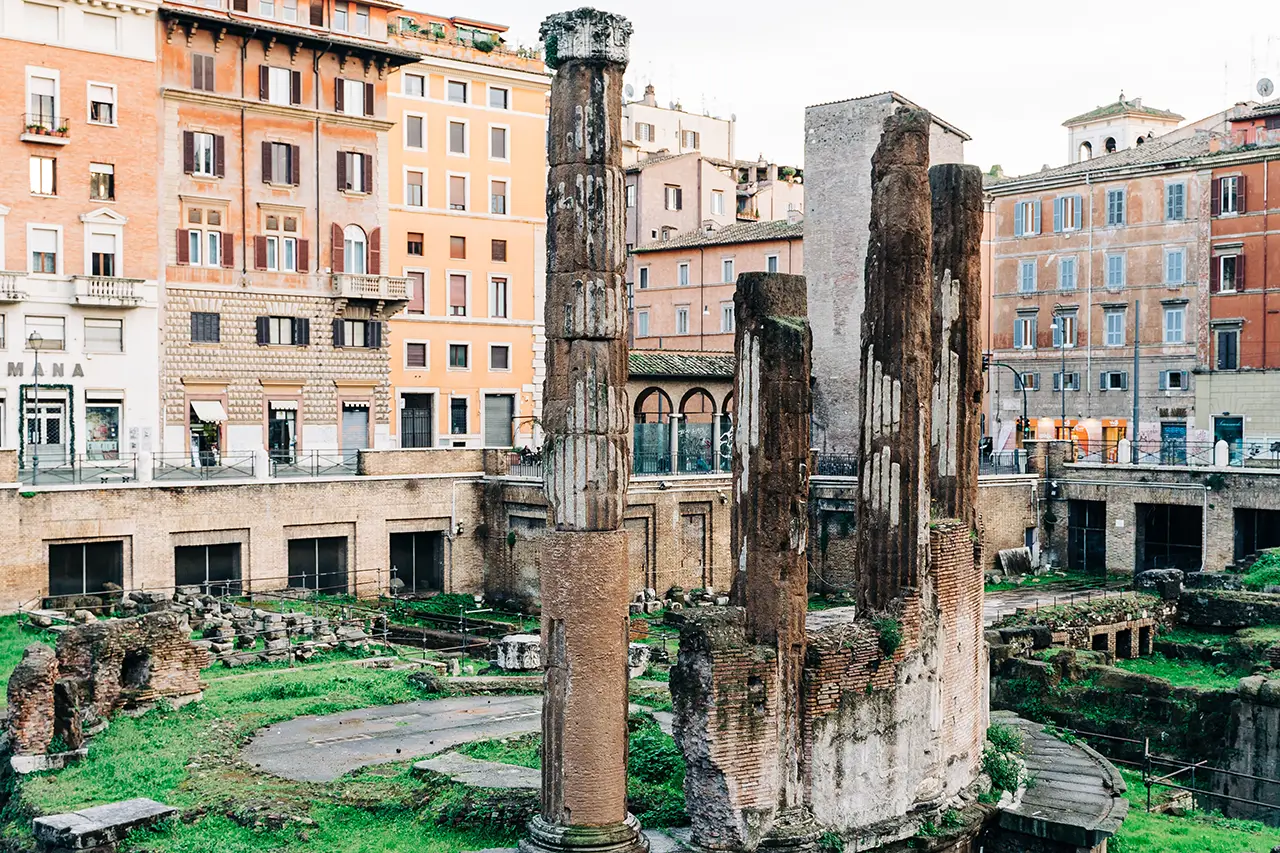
{"x":1034,"y":332}
{"x":1017,"y":333}
{"x":1057,"y":215}
{"x":1017,"y":219}
{"x":1164,"y":380}
{"x":1124,"y":212}
{"x":1036,"y":227}
{"x":1078,"y":215}
{"x":1057,"y":334}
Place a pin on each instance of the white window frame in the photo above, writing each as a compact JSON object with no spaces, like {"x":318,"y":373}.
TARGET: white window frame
{"x":466,"y":192}
{"x":1235,"y":195}
{"x":115,"y":104}
{"x":467,"y":90}
{"x":682,"y":274}
{"x":506,"y":308}
{"x":289,"y":13}
{"x":197,"y":164}
{"x":112,"y":320}
{"x":53,"y":191}
{"x":353,"y":93}
{"x":727,"y":320}
{"x":1068,"y":206}
{"x":506,"y":130}
{"x":669,"y":196}
{"x":466,"y":137}
{"x":1028,"y":209}
{"x":344,"y":8}
{"x":771,"y":263}
{"x":107,"y":225}
{"x":281,"y":93}
{"x":1179,"y":311}
{"x":1235,"y":270}
{"x":1182,"y":265}
{"x":642,"y":322}
{"x":488,"y":100}
{"x":426,"y":353}
{"x":510,"y":349}
{"x":283,"y":325}
{"x":103,"y":169}
{"x":642,"y":278}
{"x":506,"y":183}
{"x":631,"y":195}
{"x":448,"y":305}
{"x":717,"y":202}
{"x":682,"y":314}
{"x":1067,"y":319}
{"x":448,"y":357}
{"x":58,"y":259}
{"x":361,"y":11}
{"x":1106,"y":327}
{"x":59,"y":37}
{"x":405,"y":196}
{"x":1028,"y":324}
{"x":26,"y":333}
{"x":728,"y":266}
{"x":404,"y":85}
{"x":408,"y":114}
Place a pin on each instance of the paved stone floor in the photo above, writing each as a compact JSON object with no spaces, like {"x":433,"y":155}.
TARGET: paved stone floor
{"x":320,"y":749}
{"x":1006,"y":602}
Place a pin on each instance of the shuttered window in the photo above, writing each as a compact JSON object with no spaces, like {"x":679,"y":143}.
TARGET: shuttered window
{"x":1175,"y":201}
{"x":206,"y":327}
{"x":499,"y":414}
{"x":458,"y":294}
{"x":415,"y":355}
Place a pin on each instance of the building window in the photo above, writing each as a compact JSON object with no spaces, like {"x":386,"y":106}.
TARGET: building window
{"x":642,"y":324}
{"x":498,"y":297}
{"x":354,"y":97}
{"x":1229,"y":268}
{"x":415,"y":355}
{"x":415,"y":85}
{"x":279,"y":331}
{"x":499,"y":357}
{"x":102,"y":254}
{"x":498,"y":198}
{"x":498,"y":251}
{"x":1072,"y":381}
{"x":102,"y":182}
{"x":457,"y":137}
{"x":682,"y":274}
{"x":362,"y":21}
{"x":289,"y":10}
{"x":353,"y":250}
{"x":355,"y":333}
{"x":1026,"y":218}
{"x":1064,"y":332}
{"x":203,"y":149}
{"x":1173,"y":380}
{"x":417,"y":292}
{"x":498,"y":143}
{"x":196,"y":241}
{"x":726,"y":317}
{"x":279,"y":86}
{"x":689,"y":139}
{"x":631,"y":195}
{"x":458,"y":248}
{"x":1175,"y":201}
{"x":43,"y":243}
{"x":1229,"y":195}
{"x":202,"y":72}
{"x":457,"y":415}
{"x":499,"y":99}
{"x":44,"y":174}
{"x":1029,"y":381}
{"x":717,"y":202}
{"x":267,"y":8}
{"x":1228,"y":349}
{"x":1067,"y":213}
{"x":206,"y":327}
{"x":643,"y":273}
{"x":457,"y":91}
{"x":674,"y":198}
{"x":414,"y":132}
{"x":41,"y":21}
{"x":43,"y":91}
{"x":457,"y":192}
{"x":1115,"y":207}
{"x":281,"y":242}
{"x":457,"y":294}
{"x":1175,"y":266}
{"x":1024,"y":333}
{"x":353,"y":168}
{"x":1113,"y":380}
{"x":771,"y":263}
{"x":103,"y":335}
{"x":413,"y":245}
{"x":682,"y":320}
{"x":1174,"y":322}
{"x":280,"y":163}
{"x":1026,"y":276}
{"x":1067,"y":274}
{"x":644,"y":132}
{"x":413,"y":189}
{"x":726,"y":270}
{"x":1115,"y":328}
{"x":102,"y":103}
{"x":1115,"y":271}
{"x":338,"y":20}
{"x":52,"y":331}
{"x":460,"y":356}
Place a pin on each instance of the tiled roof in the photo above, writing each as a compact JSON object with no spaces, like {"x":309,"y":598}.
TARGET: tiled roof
{"x":742,"y":232}
{"x":1150,"y":153}
{"x":655,"y":159}
{"x":670,"y":363}
{"x":1270,"y":108}
{"x":1122,"y":107}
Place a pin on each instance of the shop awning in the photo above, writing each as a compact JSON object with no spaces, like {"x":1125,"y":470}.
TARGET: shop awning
{"x":209,"y":411}
{"x":284,"y":405}
{"x":355,"y":404}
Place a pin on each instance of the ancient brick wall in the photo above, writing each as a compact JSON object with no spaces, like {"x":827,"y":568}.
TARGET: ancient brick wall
{"x":30,"y":698}
{"x":963,"y":671}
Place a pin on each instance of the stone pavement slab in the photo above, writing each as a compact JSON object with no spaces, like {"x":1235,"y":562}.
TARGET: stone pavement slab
{"x":481,"y":774}
{"x":99,"y":825}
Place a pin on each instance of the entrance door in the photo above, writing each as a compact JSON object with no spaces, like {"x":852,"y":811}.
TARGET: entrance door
{"x":1087,"y":537}
{"x":355,"y":429}
{"x":418,"y":560}
{"x":319,"y":564}
{"x":1111,"y":436}
{"x":213,"y":568}
{"x":47,"y":431}
{"x":1173,"y":443}
{"x":416,"y":428}
{"x":1230,"y":430}
{"x":693,"y":549}
{"x":85,"y":568}
{"x":499,"y":419}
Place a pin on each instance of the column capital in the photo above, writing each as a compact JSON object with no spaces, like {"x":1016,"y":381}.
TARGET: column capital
{"x":586,"y":34}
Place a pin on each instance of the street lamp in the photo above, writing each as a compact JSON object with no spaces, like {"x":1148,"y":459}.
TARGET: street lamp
{"x":34,"y":341}
{"x":1060,"y":332}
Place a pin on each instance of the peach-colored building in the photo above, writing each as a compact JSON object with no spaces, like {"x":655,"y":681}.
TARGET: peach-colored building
{"x":78,"y":232}
{"x":468,"y":231}
{"x":682,"y":290}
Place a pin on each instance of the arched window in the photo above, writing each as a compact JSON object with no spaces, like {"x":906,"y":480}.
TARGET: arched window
{"x":354,"y":250}
{"x":1140,"y":140}
{"x":726,"y":433}
{"x":652,"y":432}
{"x":698,"y":407}
{"x":1110,"y":145}
{"x":697,"y":432}
{"x":1086,"y":151}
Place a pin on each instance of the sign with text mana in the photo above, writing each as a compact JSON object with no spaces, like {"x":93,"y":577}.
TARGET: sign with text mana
{"x":56,"y":370}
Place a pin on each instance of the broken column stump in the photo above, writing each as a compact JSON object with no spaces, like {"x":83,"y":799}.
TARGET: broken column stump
{"x":585,"y":417}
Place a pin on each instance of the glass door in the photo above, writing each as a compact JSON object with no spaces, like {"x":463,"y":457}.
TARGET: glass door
{"x":47,"y":431}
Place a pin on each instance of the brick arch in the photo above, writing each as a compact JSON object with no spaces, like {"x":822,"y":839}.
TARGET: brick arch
{"x":653,"y":405}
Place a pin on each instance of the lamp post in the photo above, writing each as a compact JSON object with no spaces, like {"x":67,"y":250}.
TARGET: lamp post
{"x":1060,"y":330}
{"x":35,"y":340}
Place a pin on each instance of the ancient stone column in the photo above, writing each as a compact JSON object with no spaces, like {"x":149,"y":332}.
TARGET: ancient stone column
{"x":897,"y":366}
{"x":770,"y":501}
{"x":584,"y":559}
{"x":957,"y":345}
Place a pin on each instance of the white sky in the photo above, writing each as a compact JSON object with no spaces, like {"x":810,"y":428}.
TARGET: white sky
{"x":1005,"y":72}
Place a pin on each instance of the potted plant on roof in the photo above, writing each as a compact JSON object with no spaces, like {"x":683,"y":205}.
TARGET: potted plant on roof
{"x":63,"y":130}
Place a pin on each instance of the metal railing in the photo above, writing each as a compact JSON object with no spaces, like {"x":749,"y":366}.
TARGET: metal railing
{"x":205,"y":465}
{"x":527,"y":464}
{"x":835,"y":464}
{"x":695,"y":463}
{"x":44,"y":124}
{"x":1247,"y":454}
{"x":79,"y":469}
{"x":315,"y":463}
{"x":357,"y":286}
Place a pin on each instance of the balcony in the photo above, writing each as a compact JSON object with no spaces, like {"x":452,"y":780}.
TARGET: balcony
{"x":383,"y":288}
{"x":108,"y":291}
{"x":45,"y":129}
{"x":10,"y":291}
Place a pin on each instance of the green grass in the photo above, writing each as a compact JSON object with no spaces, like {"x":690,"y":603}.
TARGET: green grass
{"x":1184,"y":673}
{"x":1198,"y":832}
{"x":14,"y":639}
{"x":1074,"y":579}
{"x":1193,"y":637}
{"x":1263,"y":573}
{"x":1264,"y":634}
{"x":523,"y":751}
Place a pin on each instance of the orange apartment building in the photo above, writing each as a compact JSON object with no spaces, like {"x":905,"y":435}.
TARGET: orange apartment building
{"x":467,"y":171}
{"x":78,"y":250}
{"x":274,"y":221}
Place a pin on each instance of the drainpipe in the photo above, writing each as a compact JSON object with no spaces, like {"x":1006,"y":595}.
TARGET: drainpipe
{"x":1266,"y":238}
{"x":315,"y":76}
{"x":702,"y":280}
{"x":1088,"y":351}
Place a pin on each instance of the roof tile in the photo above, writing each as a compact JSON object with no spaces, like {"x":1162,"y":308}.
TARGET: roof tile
{"x":742,"y":232}
{"x":655,"y":363}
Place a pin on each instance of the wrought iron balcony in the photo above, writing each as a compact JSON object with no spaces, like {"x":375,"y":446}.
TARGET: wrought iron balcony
{"x":11,"y":286}
{"x":386,"y":288}
{"x":46,"y":129}
{"x":108,"y":290}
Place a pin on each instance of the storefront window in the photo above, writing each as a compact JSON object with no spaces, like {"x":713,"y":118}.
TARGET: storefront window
{"x":282,"y":431}
{"x":102,"y":430}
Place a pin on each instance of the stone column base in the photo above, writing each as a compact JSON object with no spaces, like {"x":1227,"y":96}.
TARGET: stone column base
{"x":622,"y":837}
{"x":794,"y":831}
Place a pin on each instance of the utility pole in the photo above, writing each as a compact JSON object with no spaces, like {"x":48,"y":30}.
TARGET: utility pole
{"x":35,"y":341}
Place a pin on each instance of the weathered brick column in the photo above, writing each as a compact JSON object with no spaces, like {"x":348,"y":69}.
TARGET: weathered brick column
{"x":770,"y":509}
{"x":897,"y":366}
{"x":957,"y":344}
{"x":584,"y":559}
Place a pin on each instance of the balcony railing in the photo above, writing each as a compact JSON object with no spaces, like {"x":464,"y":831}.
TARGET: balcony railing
{"x":10,"y":291}
{"x":384,"y":287}
{"x":79,"y":470}
{"x":108,"y":290}
{"x":314,"y":463}
{"x":1243,"y":454}
{"x":49,"y":129}
{"x":204,"y":465}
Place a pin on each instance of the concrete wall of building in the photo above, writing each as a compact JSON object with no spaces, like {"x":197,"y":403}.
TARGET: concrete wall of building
{"x":839,"y":141}
{"x":698,"y":179}
{"x":715,"y":135}
{"x":1250,"y":394}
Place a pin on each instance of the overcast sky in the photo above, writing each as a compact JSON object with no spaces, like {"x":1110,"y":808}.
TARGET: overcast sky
{"x":1005,"y":72}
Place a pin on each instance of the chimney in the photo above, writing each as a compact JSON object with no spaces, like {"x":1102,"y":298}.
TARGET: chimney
{"x":795,"y":216}
{"x":709,"y":225}
{"x":650,"y":100}
{"x":1137,"y":103}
